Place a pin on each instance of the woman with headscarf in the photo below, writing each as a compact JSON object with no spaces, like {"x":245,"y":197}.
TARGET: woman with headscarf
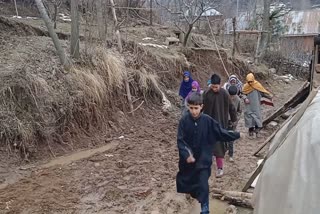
{"x":185,"y":88}
{"x":233,"y":80}
{"x":253,"y":92}
{"x":195,"y":87}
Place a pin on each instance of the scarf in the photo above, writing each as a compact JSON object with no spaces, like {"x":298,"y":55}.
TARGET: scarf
{"x":185,"y":87}
{"x":238,"y":83}
{"x":253,"y":85}
{"x":196,"y":85}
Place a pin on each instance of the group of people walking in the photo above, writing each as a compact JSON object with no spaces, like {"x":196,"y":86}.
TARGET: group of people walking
{"x":207,"y":129}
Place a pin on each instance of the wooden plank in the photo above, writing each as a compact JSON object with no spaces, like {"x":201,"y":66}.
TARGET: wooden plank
{"x":292,"y":102}
{"x":281,"y":138}
{"x":274,"y":133}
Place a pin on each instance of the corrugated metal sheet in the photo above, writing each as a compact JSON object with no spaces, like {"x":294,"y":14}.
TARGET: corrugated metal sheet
{"x":295,"y":22}
{"x":302,"y":22}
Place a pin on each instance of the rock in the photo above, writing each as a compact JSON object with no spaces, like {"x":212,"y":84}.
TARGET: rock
{"x":172,"y":41}
{"x":273,"y":124}
{"x":96,"y":164}
{"x":272,"y":70}
{"x":165,"y":112}
{"x":232,"y":210}
{"x":291,"y":111}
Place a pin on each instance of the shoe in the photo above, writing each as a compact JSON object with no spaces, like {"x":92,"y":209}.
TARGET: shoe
{"x":219,"y":173}
{"x":231,"y":159}
{"x":205,"y":208}
{"x":251,"y":135}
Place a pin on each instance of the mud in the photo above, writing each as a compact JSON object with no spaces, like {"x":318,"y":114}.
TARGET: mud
{"x":135,"y":174}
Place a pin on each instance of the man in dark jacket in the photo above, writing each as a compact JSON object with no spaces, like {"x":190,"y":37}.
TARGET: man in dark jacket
{"x":218,"y":105}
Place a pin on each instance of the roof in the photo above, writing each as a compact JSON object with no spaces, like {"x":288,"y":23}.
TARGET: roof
{"x":212,"y":12}
{"x":208,"y":12}
{"x":302,"y":22}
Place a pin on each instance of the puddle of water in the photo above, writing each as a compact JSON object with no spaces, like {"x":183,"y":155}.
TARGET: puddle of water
{"x":65,"y":160}
{"x":219,"y":207}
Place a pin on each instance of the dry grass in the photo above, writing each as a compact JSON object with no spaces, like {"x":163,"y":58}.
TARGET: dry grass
{"x":38,"y":109}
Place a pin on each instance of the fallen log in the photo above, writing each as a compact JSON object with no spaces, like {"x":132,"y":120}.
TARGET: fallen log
{"x":281,"y":138}
{"x":236,"y":198}
{"x":291,"y":103}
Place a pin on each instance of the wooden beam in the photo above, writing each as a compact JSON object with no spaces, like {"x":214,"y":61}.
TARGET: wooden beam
{"x":274,"y":133}
{"x":242,"y":199}
{"x":281,"y":138}
{"x":292,"y":102}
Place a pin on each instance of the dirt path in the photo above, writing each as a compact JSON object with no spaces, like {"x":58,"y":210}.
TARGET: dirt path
{"x":218,"y":207}
{"x":135,"y":175}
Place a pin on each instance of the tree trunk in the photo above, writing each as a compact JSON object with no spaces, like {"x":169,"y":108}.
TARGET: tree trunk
{"x":265,"y":31}
{"x":62,"y":56}
{"x":75,"y":29}
{"x":117,"y":33}
{"x":234,"y":36}
{"x":101,"y":25}
{"x":151,"y":12}
{"x":186,"y":37}
{"x":55,"y":16}
{"x":15,"y":5}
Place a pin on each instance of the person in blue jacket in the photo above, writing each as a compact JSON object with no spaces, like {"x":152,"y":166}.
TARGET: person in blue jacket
{"x":185,"y":88}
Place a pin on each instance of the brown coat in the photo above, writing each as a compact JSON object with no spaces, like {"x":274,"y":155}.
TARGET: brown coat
{"x":219,"y":106}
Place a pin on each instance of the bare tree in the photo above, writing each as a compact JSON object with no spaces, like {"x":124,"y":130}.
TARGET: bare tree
{"x":62,"y":56}
{"x":101,"y":23}
{"x":268,"y":16}
{"x":188,"y":13}
{"x":264,"y":36}
{"x":15,"y":5}
{"x":56,"y":5}
{"x":75,"y":42}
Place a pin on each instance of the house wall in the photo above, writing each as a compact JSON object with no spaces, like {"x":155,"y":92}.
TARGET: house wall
{"x":298,"y":47}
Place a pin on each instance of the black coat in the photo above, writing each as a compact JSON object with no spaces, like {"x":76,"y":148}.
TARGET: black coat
{"x":197,"y":137}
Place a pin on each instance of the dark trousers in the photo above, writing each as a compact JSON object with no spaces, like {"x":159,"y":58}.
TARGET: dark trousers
{"x":230,"y":148}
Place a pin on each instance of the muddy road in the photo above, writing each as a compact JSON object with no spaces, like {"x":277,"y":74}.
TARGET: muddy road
{"x":131,"y":174}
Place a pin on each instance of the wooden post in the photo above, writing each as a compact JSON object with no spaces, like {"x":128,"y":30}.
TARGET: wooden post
{"x":117,"y":29}
{"x":151,"y":14}
{"x":234,"y":36}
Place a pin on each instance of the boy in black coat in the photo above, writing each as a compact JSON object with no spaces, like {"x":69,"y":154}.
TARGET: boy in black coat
{"x":197,"y":135}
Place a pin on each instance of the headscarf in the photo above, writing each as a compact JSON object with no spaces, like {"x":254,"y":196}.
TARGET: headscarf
{"x":185,"y":87}
{"x":238,"y":83}
{"x":254,"y":85}
{"x":196,"y":85}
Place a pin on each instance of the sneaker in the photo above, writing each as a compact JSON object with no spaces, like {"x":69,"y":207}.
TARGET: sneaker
{"x":219,"y":173}
{"x":231,"y":159}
